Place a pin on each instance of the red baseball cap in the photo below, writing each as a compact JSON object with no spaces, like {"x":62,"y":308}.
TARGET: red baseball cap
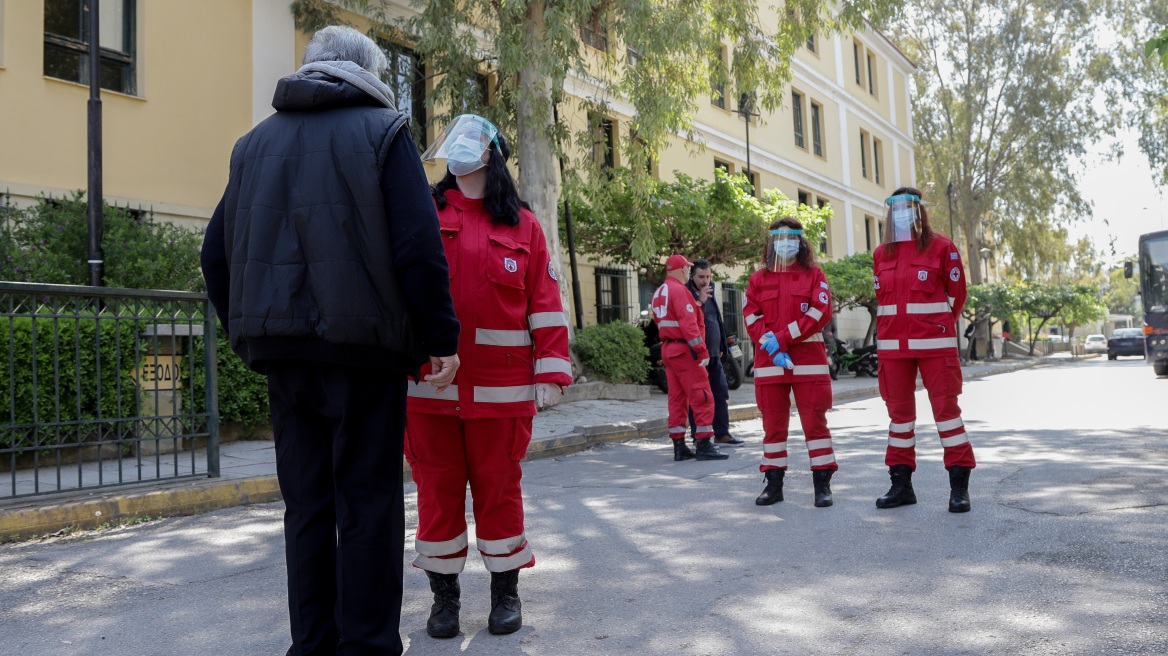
{"x":676,"y":261}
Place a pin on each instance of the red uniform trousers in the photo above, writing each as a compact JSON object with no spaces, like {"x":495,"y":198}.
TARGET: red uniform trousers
{"x":942,"y":378}
{"x":813,"y":401}
{"x":689,"y":387}
{"x":445,"y":453}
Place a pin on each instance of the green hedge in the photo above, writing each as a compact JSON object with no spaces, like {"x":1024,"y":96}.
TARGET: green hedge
{"x":615,"y":352}
{"x":243,"y":394}
{"x":72,"y":388}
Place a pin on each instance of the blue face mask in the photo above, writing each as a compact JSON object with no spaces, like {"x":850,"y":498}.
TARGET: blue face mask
{"x":787,"y":248}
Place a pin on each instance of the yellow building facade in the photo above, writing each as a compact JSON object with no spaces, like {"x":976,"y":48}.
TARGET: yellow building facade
{"x":183,"y":80}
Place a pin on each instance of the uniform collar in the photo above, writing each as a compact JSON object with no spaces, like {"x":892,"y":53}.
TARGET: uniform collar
{"x":454,"y":197}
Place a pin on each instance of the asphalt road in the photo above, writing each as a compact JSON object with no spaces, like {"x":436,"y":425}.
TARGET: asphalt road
{"x":1063,"y":552}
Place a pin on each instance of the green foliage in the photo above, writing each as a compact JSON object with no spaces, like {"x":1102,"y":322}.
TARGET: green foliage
{"x":614,"y":351}
{"x":718,"y":220}
{"x":243,"y":394}
{"x":851,"y":281}
{"x":67,"y":388}
{"x":1157,"y":46}
{"x":1120,"y":294}
{"x":48,"y":243}
{"x":1073,"y":303}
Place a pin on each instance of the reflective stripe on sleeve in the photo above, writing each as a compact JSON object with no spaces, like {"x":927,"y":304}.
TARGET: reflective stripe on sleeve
{"x":668,"y":323}
{"x":504,"y":546}
{"x":695,"y":341}
{"x":817,"y":337}
{"x":553,"y":366}
{"x":885,"y":310}
{"x":428,"y":391}
{"x":956,"y":440}
{"x":487,"y":337}
{"x":444,"y":548}
{"x":950,"y":424}
{"x":927,"y":308}
{"x":513,"y":394}
{"x":547,"y":320}
{"x":925,"y":344}
{"x":793,"y":328}
{"x":751,"y":318}
{"x":815,"y":313}
{"x":887,"y":344}
{"x":823,"y":284}
{"x":952,"y":302}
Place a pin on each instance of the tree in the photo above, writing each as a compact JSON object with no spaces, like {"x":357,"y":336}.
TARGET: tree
{"x":720,"y":221}
{"x":852,"y":287}
{"x":652,"y":54}
{"x":1147,"y":84}
{"x":1120,"y":293}
{"x":985,"y":302}
{"x":1074,"y":303}
{"x":1082,"y":306}
{"x":1006,"y":95}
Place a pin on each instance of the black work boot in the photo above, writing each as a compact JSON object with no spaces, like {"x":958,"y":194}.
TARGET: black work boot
{"x":707,"y":450}
{"x":773,"y":492}
{"x":506,"y":615}
{"x":681,"y":451}
{"x":822,"y":480}
{"x":959,"y":489}
{"x":443,"y":622}
{"x":901,"y":493}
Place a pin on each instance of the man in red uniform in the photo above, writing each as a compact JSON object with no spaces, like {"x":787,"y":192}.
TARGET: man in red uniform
{"x":682,"y":329}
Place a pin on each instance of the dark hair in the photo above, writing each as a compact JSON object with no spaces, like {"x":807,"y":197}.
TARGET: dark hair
{"x":500,"y":196}
{"x":925,"y":234}
{"x":698,"y":264}
{"x":806,"y":256}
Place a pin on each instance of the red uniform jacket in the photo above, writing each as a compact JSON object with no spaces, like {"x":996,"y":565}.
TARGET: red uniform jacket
{"x":795,"y":305}
{"x":919,"y":296}
{"x":514,"y":331}
{"x":680,"y":322}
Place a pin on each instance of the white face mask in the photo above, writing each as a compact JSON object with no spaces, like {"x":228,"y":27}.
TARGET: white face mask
{"x":904,"y":218}
{"x":465,"y":156}
{"x":787,"y":248}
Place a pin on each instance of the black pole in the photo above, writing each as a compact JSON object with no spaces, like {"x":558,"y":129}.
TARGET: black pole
{"x":949,"y":195}
{"x":749,"y":173}
{"x":96,"y":257}
{"x":577,"y":295}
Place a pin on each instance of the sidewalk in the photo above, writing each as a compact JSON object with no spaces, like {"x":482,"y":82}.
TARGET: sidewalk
{"x":248,"y":468}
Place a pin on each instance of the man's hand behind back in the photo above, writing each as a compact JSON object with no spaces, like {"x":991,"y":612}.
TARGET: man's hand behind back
{"x":442,"y":370}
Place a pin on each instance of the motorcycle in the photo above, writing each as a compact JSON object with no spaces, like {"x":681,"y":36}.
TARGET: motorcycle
{"x":732,"y":362}
{"x":861,"y":361}
{"x":653,"y":343}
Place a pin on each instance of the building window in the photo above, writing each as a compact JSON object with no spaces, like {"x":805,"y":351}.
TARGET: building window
{"x":717,"y":81}
{"x":732,"y":301}
{"x":868,"y":221}
{"x":856,"y":47}
{"x":797,"y":111}
{"x":811,"y":44}
{"x":871,"y":73}
{"x":406,"y":79}
{"x":863,"y":153}
{"x":755,"y":187}
{"x":603,"y":141}
{"x":718,"y":164}
{"x":804,"y":198}
{"x":822,"y":203}
{"x":817,"y":128}
{"x":632,"y":57}
{"x":67,"y":42}
{"x":877,"y":148}
{"x":594,"y":31}
{"x":612,"y":295}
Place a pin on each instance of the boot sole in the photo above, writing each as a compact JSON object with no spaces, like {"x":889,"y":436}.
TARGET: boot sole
{"x":682,"y":459}
{"x":503,"y":630}
{"x":718,"y":457}
{"x":896,"y":505}
{"x":823,"y":505}
{"x":959,"y":509}
{"x":442,"y":635}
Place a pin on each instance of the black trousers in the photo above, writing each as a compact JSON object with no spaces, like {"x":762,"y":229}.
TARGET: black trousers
{"x":721,"y":391}
{"x":339,"y":433}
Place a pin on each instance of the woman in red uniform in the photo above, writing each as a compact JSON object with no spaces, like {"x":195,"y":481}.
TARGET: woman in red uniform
{"x":787,"y":305}
{"x":920,"y":290}
{"x":514,"y":354}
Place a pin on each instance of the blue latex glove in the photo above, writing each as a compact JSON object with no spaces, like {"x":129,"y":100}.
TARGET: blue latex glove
{"x":769,"y":343}
{"x":783,"y":360}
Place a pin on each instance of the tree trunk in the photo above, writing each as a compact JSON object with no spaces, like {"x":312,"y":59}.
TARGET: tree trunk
{"x":539,"y":183}
{"x":871,"y":324}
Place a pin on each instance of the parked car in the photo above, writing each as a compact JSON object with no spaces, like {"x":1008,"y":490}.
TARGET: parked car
{"x":1126,"y":341}
{"x":1095,"y":344}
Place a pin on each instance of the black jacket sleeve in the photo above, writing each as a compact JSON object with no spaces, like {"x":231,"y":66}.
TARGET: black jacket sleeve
{"x":416,"y":243}
{"x":216,"y":269}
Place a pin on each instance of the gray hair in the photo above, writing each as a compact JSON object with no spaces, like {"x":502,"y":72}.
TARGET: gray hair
{"x":341,"y":43}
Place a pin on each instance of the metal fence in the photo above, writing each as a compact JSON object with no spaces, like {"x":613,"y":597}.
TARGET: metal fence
{"x":103,"y":387}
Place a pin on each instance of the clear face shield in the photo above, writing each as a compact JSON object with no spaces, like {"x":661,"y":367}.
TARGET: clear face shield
{"x":902,"y":221}
{"x":783,"y":249}
{"x":463,"y":143}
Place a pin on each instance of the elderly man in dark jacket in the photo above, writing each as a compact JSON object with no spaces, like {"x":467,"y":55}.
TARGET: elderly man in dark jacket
{"x":700,"y":281}
{"x":324,"y":260}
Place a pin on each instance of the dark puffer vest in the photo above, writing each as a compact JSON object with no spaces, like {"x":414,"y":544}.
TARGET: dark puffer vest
{"x":307,"y":234}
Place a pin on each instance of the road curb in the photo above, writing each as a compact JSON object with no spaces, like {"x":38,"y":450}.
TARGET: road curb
{"x":198,"y":496}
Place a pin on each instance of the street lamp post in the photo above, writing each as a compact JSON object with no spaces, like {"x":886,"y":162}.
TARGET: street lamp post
{"x":985,"y":269}
{"x":94,"y":215}
{"x":949,"y":195}
{"x":746,"y":112}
